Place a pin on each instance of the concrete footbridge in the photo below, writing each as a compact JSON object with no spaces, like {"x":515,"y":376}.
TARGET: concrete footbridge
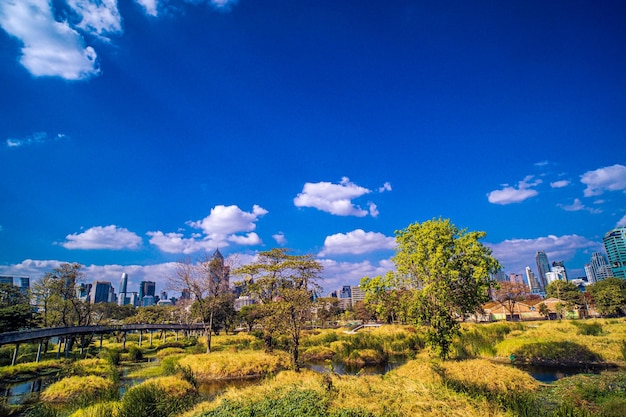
{"x":67,"y":333}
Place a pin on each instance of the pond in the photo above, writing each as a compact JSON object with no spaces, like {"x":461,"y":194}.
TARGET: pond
{"x":550,"y":374}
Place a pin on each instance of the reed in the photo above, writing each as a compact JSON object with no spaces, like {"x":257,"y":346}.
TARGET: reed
{"x":79,"y":389}
{"x":226,"y":365}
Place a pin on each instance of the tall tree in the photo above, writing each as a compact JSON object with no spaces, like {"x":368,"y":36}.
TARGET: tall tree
{"x":206,"y":280}
{"x":450,"y":271}
{"x":57,"y":296}
{"x":15,"y":309}
{"x":285,"y":284}
{"x":564,"y":290}
{"x":388,"y":301}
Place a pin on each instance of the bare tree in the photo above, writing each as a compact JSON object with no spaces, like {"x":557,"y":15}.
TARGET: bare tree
{"x":206,"y":280}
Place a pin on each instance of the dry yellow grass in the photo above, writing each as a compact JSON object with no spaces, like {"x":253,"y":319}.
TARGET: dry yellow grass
{"x":169,"y":351}
{"x":106,"y":409}
{"x":74,"y":387}
{"x":607,"y":344}
{"x":173,"y":385}
{"x":226,"y":365}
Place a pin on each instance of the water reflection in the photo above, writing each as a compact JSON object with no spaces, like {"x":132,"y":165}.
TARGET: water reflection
{"x":18,"y":392}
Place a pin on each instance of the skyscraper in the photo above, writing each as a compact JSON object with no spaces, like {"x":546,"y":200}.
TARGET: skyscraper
{"x":147,"y":288}
{"x":615,"y":245}
{"x":535,"y":288}
{"x":598,"y":269}
{"x":559,"y":269}
{"x":543,"y":266}
{"x":101,"y":292}
{"x":123,"y":285}
{"x":220,"y":273}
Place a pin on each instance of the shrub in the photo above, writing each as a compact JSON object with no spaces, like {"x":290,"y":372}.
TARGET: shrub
{"x":588,"y":329}
{"x":556,"y":353}
{"x":317,"y":353}
{"x":105,"y":409}
{"x":159,"y":397}
{"x":169,"y":351}
{"x":112,"y":356}
{"x":135,"y":354}
{"x":79,"y":390}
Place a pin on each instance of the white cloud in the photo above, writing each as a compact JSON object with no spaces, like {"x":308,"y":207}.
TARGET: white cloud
{"x":516,"y":254}
{"x":280,"y":238}
{"x":177,"y":243}
{"x":621,"y":223}
{"x":35,"y":138}
{"x":222,"y":4}
{"x":219,"y":228}
{"x":332,"y":198}
{"x":98,"y":17}
{"x":225,"y":220}
{"x":336,"y":274}
{"x":150,"y":6}
{"x":509,"y":194}
{"x":107,"y":237}
{"x":373,"y":209}
{"x":50,"y":48}
{"x":542,"y":163}
{"x":249,"y":239}
{"x":560,"y":184}
{"x":386,"y":187}
{"x":356,"y":242}
{"x":577,"y":205}
{"x":611,"y":178}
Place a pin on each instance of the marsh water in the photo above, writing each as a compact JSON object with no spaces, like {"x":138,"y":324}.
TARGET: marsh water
{"x":19,"y":392}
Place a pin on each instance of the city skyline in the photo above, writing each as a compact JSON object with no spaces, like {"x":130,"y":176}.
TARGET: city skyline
{"x":133,"y":134}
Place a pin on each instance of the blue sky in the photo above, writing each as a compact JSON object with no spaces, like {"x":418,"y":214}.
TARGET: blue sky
{"x":134,"y":133}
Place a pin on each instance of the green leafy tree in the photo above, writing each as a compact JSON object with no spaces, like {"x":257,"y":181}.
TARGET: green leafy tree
{"x":285,"y":285}
{"x":449,"y":270}
{"x":327,"y":310}
{"x":250,"y":315}
{"x":15,"y":309}
{"x":57,"y":296}
{"x":564,"y":290}
{"x":609,"y":296}
{"x":544,"y":310}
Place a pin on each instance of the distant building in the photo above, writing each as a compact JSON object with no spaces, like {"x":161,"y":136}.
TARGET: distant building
{"x":185,"y":294}
{"x":6,"y":280}
{"x":123,"y":288}
{"x":598,"y":269}
{"x":243,"y":301}
{"x":147,"y":288}
{"x":101,"y":292}
{"x":559,"y":268}
{"x":500,"y":276}
{"x":535,"y":288}
{"x":356,"y":294}
{"x":12,"y":280}
{"x":543,"y":267}
{"x":346,"y":292}
{"x":220,"y":273}
{"x":148,"y":300}
{"x":516,"y":278}
{"x":615,"y":245}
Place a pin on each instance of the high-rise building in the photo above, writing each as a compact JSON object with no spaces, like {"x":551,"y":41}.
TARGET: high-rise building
{"x":24,"y":284}
{"x":598,"y":269}
{"x":535,"y":288}
{"x":500,"y":276}
{"x":559,"y":269}
{"x":147,"y":288}
{"x":346,"y":292}
{"x":101,"y":292}
{"x":615,"y":245}
{"x":357,"y":294}
{"x":543,"y":266}
{"x":123,"y":287}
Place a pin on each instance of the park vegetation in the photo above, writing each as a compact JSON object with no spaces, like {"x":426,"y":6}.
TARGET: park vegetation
{"x":296,"y":354}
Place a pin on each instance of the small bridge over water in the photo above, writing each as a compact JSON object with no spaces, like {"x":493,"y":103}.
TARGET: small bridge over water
{"x":67,"y":333}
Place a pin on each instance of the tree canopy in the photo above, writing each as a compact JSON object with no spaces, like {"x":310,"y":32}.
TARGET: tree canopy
{"x":609,"y":296}
{"x":15,"y":309}
{"x":449,"y":270}
{"x":285,"y":284}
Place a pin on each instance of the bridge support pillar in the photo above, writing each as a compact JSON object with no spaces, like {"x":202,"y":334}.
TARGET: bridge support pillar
{"x":68,"y":347}
{"x":140,"y":337}
{"x":101,"y":336}
{"x":124,"y":342}
{"x":15,"y":352}
{"x":39,"y":350}
{"x":150,"y":338}
{"x":59,"y":349}
{"x":164,"y":335}
{"x":176,"y":335}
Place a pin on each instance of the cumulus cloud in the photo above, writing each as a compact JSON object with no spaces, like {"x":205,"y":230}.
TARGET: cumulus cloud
{"x":280,"y":238}
{"x":577,"y":205}
{"x":229,"y":219}
{"x":386,"y":187}
{"x":334,"y":198}
{"x":611,"y":178}
{"x":560,"y":184}
{"x":50,"y":48}
{"x":516,"y":254}
{"x":107,"y":237}
{"x":34,"y":139}
{"x":97,"y":17}
{"x":219,"y":229}
{"x":621,"y":223}
{"x":510,"y":194}
{"x":356,"y":242}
